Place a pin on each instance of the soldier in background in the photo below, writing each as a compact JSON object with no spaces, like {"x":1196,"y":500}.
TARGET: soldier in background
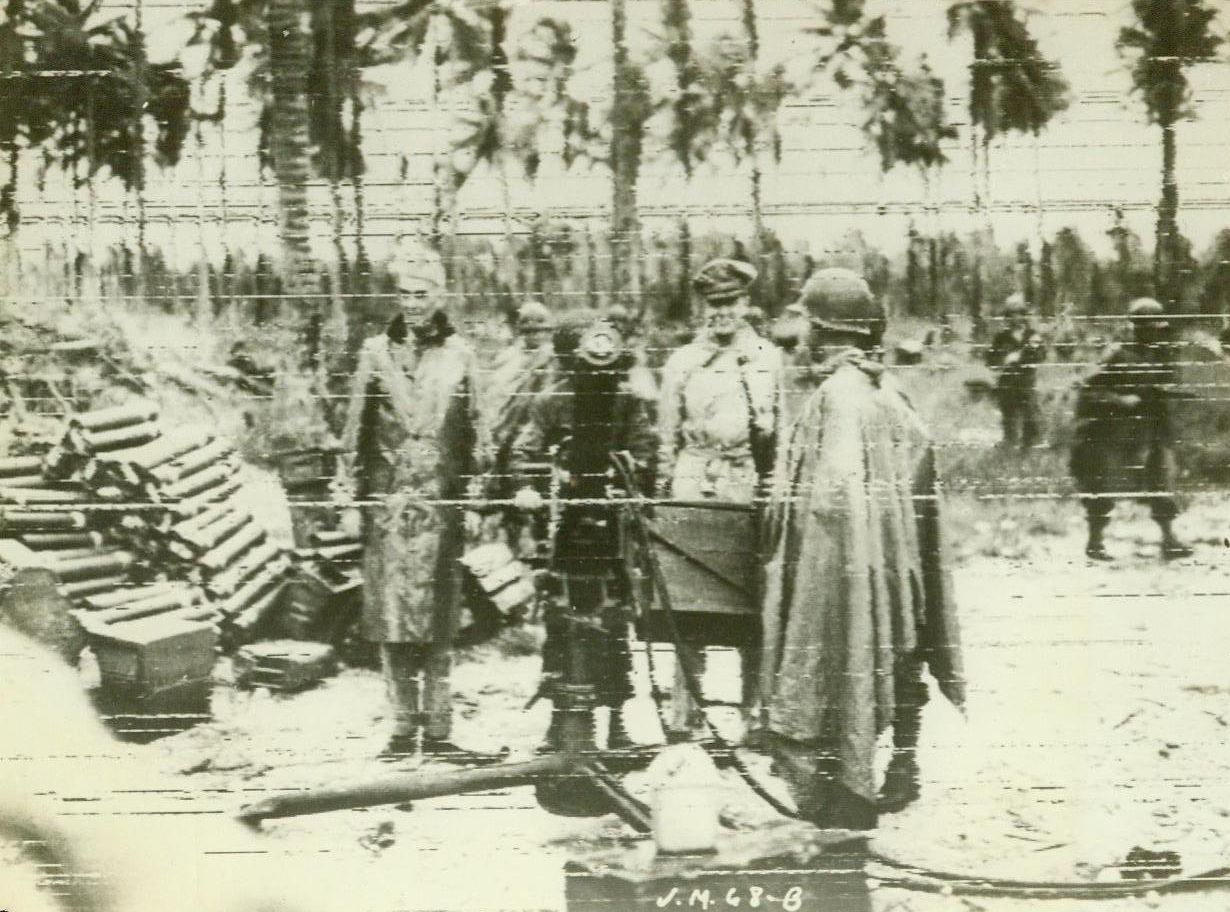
{"x":641,"y":382}
{"x":1015,"y":353}
{"x":520,"y":373}
{"x":718,"y":417}
{"x":410,"y":441}
{"x":857,"y":596}
{"x":1124,"y":433}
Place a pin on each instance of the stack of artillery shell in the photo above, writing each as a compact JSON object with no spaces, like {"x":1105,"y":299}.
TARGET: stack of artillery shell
{"x":128,"y":523}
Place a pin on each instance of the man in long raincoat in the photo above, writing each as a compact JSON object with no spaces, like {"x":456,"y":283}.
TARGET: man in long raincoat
{"x":411,"y":438}
{"x":718,"y":419}
{"x":857,"y":599}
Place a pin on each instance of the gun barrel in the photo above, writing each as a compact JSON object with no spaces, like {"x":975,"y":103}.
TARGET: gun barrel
{"x":396,"y":789}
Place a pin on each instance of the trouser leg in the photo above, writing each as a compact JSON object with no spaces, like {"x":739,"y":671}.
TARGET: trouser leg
{"x":749,"y":661}
{"x":686,"y":714}
{"x":1008,"y":417}
{"x":912,"y":696}
{"x":1097,"y":515}
{"x":402,"y":664}
{"x":1031,"y":419}
{"x":437,"y":697}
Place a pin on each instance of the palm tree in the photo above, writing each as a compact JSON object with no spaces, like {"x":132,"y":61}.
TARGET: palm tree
{"x":97,"y":120}
{"x":744,"y":105}
{"x":288,"y":120}
{"x":1012,"y":88}
{"x":630,"y":111}
{"x":12,"y":108}
{"x":687,"y":117}
{"x":904,"y":117}
{"x":1168,"y":37}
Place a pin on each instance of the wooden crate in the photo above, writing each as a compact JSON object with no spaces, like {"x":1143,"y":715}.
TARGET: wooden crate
{"x":153,"y":654}
{"x":709,"y":554}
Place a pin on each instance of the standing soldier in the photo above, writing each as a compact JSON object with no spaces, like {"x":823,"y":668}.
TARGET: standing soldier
{"x":410,"y":438}
{"x":718,"y":418}
{"x":521,"y":368}
{"x":1124,"y":435}
{"x":520,"y":373}
{"x":1015,"y":353}
{"x":578,"y":426}
{"x":856,"y":593}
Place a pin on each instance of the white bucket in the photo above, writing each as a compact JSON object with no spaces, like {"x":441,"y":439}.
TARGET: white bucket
{"x":685,"y":818}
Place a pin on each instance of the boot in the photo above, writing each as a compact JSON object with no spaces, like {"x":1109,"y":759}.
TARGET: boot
{"x":1172,"y":548}
{"x":1095,"y":549}
{"x":445,"y":751}
{"x":901,"y":784}
{"x":835,"y":807}
{"x":403,"y":746}
{"x":617,"y":737}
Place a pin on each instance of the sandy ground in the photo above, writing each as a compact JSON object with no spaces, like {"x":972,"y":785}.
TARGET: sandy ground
{"x":1097,"y":721}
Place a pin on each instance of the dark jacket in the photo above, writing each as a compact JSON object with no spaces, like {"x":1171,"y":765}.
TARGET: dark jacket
{"x":1117,"y":439}
{"x":1016,"y":357}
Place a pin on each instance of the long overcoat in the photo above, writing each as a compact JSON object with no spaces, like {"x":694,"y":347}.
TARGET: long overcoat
{"x":413,"y":428}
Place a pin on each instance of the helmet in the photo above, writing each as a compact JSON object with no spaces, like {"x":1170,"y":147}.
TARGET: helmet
{"x":1147,"y":310}
{"x":417,"y":268}
{"x":723,"y":280}
{"x":1016,"y":306}
{"x":841,"y":300}
{"x":599,"y":345}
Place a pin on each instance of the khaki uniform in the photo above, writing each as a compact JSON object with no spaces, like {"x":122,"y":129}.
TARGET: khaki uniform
{"x":718,"y":418}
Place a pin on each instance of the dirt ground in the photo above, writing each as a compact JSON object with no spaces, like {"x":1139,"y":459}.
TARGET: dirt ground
{"x":1097,"y":722}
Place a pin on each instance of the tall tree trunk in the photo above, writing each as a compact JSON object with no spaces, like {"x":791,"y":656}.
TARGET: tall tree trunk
{"x":751,"y":33}
{"x":1165,"y":265}
{"x":288,"y":63}
{"x":625,"y":154}
{"x":677,"y":24}
{"x":204,"y":309}
{"x":12,"y":54}
{"x":140,"y":103}
{"x":356,"y":178}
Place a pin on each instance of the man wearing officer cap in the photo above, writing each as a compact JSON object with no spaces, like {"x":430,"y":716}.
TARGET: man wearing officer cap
{"x":857,"y":597}
{"x":1124,"y":434}
{"x":410,"y":449}
{"x":718,"y":417}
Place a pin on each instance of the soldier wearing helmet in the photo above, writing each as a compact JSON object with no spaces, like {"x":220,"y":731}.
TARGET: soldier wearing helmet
{"x":1124,"y":435}
{"x":718,"y":417}
{"x":576,"y":426}
{"x":409,"y":441}
{"x":857,"y":596}
{"x":1015,"y":353}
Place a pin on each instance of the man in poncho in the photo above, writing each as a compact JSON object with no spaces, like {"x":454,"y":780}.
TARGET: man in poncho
{"x":410,"y":439}
{"x":856,"y":595}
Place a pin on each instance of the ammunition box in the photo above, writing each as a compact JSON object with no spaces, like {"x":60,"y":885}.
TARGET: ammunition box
{"x":284,"y":665}
{"x":152,"y":654}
